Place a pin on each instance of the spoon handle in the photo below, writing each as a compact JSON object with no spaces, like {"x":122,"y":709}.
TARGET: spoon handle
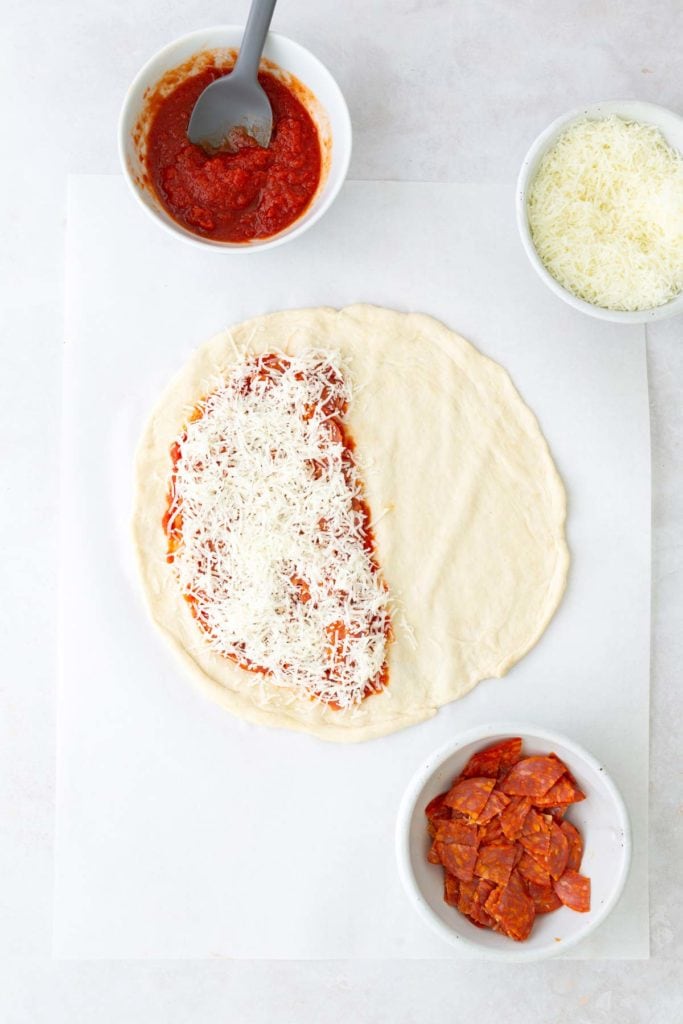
{"x":254,"y":39}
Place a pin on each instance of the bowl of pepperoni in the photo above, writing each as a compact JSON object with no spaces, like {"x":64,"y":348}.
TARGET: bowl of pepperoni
{"x":513,"y":843}
{"x":247,"y":198}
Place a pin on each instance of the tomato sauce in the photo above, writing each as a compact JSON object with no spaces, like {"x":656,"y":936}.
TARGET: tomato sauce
{"x":234,"y":196}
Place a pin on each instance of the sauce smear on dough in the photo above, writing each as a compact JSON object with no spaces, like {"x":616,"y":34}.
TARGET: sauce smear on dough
{"x":269,"y":531}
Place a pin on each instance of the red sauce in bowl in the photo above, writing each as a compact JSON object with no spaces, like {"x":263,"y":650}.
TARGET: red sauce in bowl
{"x":242,"y":195}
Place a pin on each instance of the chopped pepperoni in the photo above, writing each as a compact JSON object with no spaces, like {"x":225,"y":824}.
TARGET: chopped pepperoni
{"x":511,"y":751}
{"x":513,"y":817}
{"x":563,"y":792}
{"x":433,"y":855}
{"x":491,"y":904}
{"x":544,"y":896}
{"x":470,"y":795}
{"x":532,"y":871}
{"x":478,"y":914}
{"x":575,"y":845}
{"x":458,"y":859}
{"x":566,"y":770}
{"x":462,"y":832}
{"x":558,"y":853}
{"x":501,"y":838}
{"x":491,"y":832}
{"x":436,"y":809}
{"x":484,"y":889}
{"x":466,"y":896}
{"x":574,"y":890}
{"x":458,"y":815}
{"x":514,"y":909}
{"x":494,"y":805}
{"x":451,"y":889}
{"x":483,"y":765}
{"x":537,"y":844}
{"x":495,"y":863}
{"x":532,"y":776}
{"x":534,"y":822}
{"x":489,"y":762}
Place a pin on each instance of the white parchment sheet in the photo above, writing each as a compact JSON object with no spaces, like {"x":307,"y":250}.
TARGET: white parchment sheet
{"x":183,"y":832}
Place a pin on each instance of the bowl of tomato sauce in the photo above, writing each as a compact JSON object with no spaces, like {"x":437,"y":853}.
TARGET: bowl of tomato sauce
{"x":249,"y":198}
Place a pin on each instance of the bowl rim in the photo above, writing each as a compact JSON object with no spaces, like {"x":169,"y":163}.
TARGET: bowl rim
{"x":538,"y":147}
{"x":297,"y":227}
{"x":516,"y":953}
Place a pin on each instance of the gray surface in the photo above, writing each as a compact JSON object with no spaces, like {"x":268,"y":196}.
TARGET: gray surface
{"x":494,"y":73}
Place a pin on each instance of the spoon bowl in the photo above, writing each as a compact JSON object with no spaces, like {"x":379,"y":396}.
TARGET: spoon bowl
{"x":236,"y":104}
{"x":226,"y":110}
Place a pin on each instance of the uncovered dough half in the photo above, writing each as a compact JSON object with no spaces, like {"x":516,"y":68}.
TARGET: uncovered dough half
{"x":467,"y":505}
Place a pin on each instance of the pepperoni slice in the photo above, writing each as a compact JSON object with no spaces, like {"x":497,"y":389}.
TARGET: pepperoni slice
{"x":458,"y":859}
{"x":495,"y":863}
{"x":477,"y":912}
{"x":491,"y":832}
{"x":451,"y":889}
{"x":544,"y":896}
{"x":494,"y":805}
{"x":458,"y":815}
{"x":514,"y":909}
{"x":484,"y":889}
{"x":436,"y":809}
{"x":566,"y":770}
{"x":513,"y":817}
{"x":511,"y":751}
{"x":558,"y":854}
{"x":491,"y":902}
{"x":574,"y":891}
{"x":532,"y":776}
{"x":470,"y":795}
{"x":463,"y":832}
{"x":466,"y":896}
{"x":538,"y":845}
{"x":532,"y":871}
{"x":575,"y":845}
{"x":563,"y":792}
{"x":534,"y":822}
{"x":490,"y":761}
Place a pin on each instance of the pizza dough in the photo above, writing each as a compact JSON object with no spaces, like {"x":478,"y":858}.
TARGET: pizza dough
{"x":468,"y":513}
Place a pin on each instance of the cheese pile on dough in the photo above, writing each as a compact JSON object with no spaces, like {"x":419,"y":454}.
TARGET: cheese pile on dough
{"x":606,"y":214}
{"x":274,"y":555}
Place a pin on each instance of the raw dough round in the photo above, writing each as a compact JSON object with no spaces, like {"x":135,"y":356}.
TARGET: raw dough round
{"x":468,"y":507}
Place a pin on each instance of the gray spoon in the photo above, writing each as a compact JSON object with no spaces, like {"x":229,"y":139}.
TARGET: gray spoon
{"x":236,"y":103}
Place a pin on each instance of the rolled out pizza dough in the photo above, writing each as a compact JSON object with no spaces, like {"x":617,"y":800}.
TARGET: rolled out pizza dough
{"x":468,"y":513}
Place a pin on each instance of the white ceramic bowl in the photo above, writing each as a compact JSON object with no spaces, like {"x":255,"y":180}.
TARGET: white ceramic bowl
{"x":327,"y":107}
{"x":601,"y":818}
{"x":671,"y":127}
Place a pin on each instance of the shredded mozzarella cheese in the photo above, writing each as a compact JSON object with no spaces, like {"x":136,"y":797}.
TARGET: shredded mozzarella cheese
{"x":606,"y":214}
{"x":274,"y":554}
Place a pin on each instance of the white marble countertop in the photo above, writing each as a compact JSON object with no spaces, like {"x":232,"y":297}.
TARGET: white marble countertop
{"x":439,"y":90}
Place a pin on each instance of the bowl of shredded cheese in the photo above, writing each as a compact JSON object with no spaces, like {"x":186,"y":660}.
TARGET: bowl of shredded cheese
{"x":600,"y":210}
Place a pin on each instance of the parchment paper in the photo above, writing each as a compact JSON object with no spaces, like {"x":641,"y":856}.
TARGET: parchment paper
{"x":182,"y":832}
